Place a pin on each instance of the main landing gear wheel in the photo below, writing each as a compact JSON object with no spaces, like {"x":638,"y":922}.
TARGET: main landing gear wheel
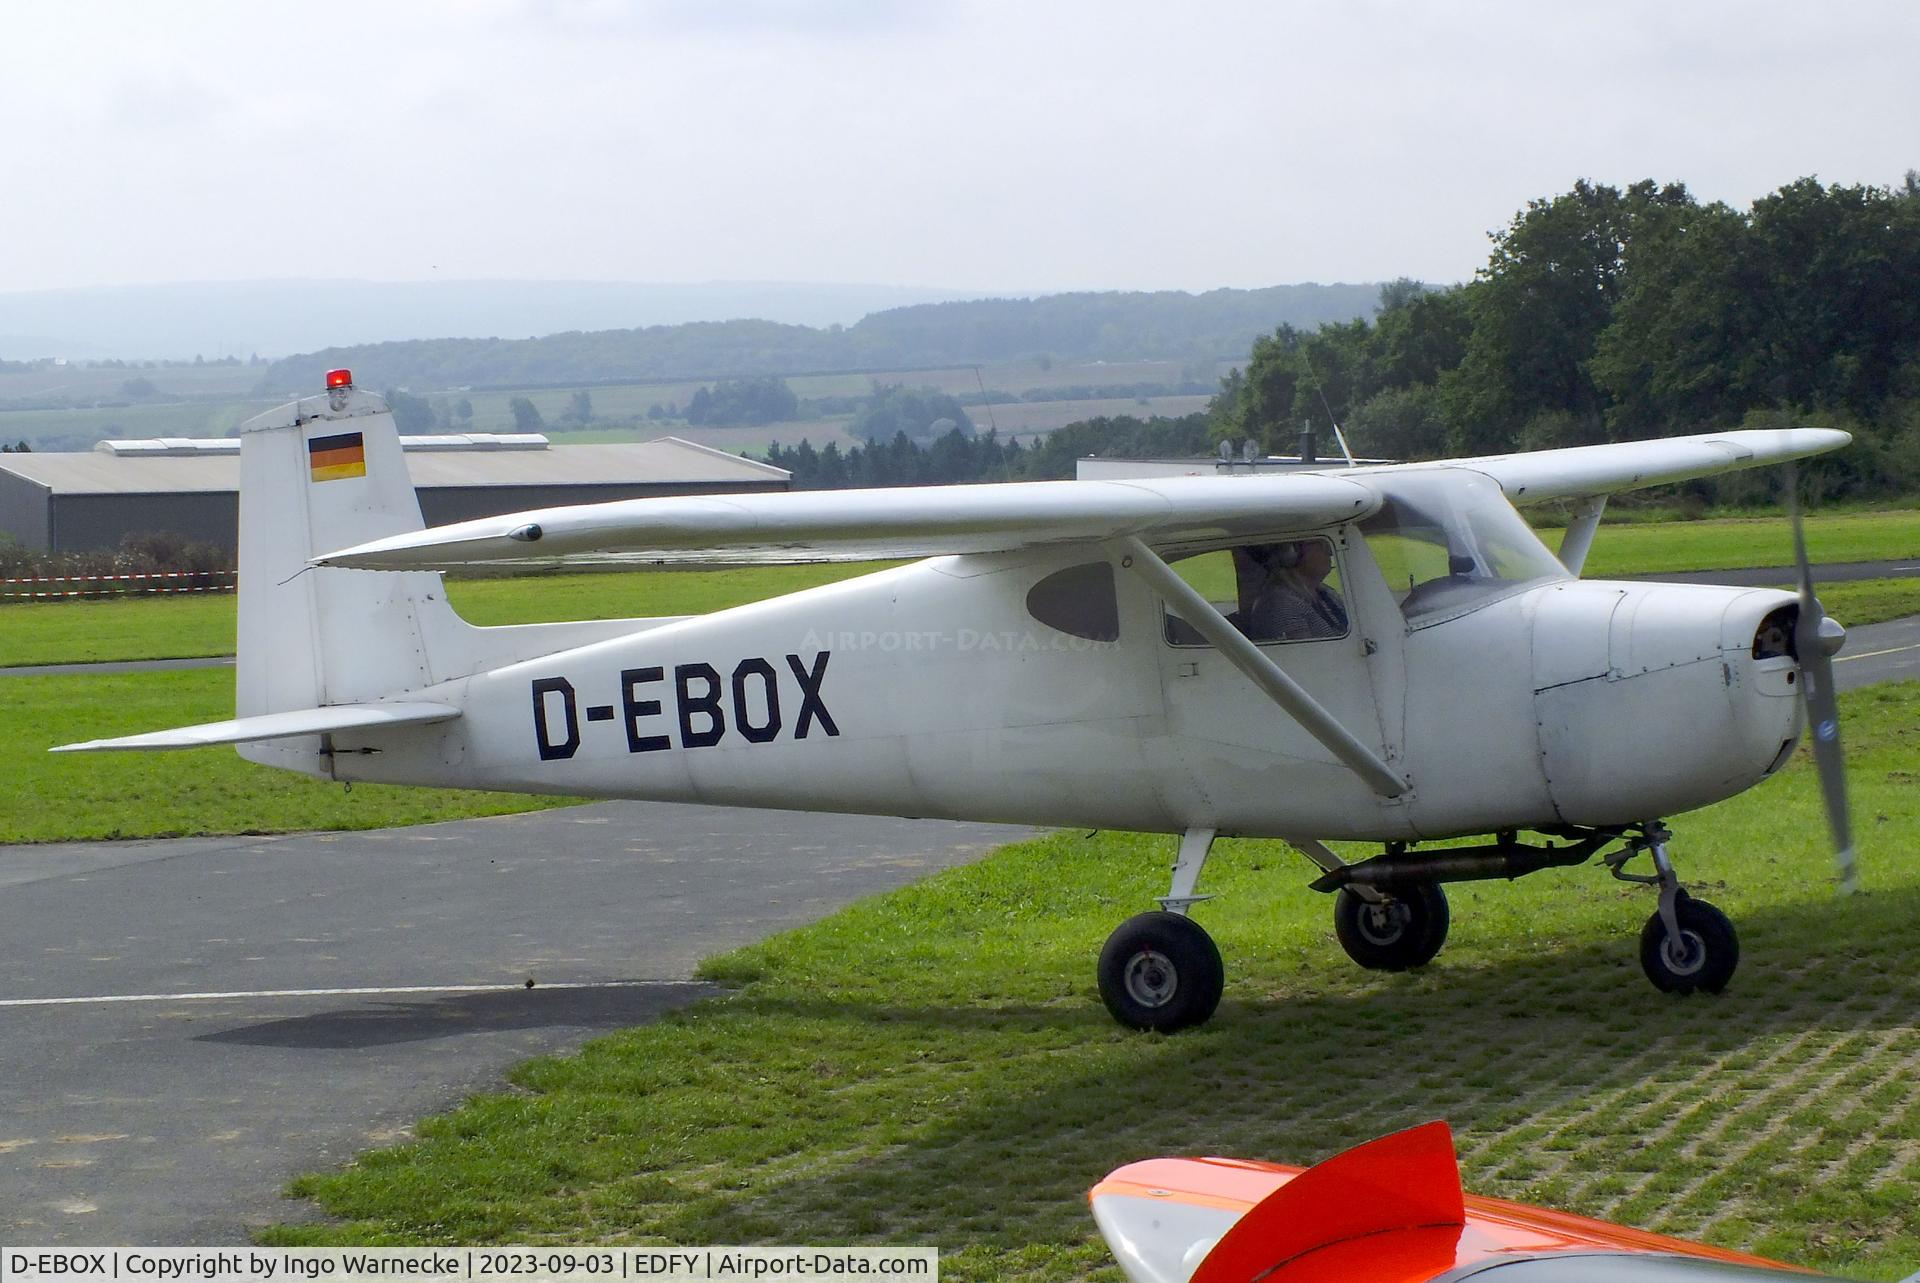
{"x":1161,"y":971}
{"x":1704,"y":956}
{"x":1400,"y":931}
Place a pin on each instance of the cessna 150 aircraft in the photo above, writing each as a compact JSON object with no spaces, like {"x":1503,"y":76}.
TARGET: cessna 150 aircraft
{"x":1382,"y":654}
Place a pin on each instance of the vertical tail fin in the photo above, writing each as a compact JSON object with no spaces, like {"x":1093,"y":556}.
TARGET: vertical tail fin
{"x":316,"y":474}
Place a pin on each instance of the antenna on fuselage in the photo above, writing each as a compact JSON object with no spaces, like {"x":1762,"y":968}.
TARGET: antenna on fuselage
{"x":1338,"y":435}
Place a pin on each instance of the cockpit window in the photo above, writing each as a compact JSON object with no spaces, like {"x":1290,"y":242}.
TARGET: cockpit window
{"x":1448,"y":542}
{"x":1282,"y":591}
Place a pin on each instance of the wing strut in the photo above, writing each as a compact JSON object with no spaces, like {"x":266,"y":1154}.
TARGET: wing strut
{"x":1578,"y":540}
{"x":1263,"y":672}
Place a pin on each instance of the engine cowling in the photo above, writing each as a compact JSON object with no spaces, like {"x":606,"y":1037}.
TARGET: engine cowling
{"x":1653,"y":699}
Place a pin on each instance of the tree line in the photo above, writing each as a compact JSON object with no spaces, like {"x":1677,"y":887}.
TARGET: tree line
{"x":1606,"y":314}
{"x":958,"y":457}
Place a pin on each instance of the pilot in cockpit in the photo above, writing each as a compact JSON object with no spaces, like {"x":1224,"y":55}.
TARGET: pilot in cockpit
{"x":1283,"y":591}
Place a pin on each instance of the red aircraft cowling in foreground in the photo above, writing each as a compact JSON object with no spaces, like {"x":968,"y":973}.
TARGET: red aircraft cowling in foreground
{"x":1389,"y":1211}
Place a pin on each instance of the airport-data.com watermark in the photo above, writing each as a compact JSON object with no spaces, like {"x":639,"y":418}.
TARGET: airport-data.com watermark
{"x":520,"y":1264}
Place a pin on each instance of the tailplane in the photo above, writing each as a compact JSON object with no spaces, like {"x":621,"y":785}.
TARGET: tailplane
{"x":317,"y":474}
{"x":323,"y":650}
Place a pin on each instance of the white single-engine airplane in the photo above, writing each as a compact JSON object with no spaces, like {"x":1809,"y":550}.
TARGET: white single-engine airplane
{"x":1382,"y":654}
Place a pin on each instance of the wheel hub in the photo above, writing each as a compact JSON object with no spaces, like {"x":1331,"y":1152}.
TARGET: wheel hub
{"x":1685,"y":955}
{"x":1383,"y":924}
{"x":1151,"y":979}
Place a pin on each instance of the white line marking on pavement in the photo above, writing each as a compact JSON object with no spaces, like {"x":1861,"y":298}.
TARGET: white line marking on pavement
{"x":338,"y":993}
{"x":1891,"y":650}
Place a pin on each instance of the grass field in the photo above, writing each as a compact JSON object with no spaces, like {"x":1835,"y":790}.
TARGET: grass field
{"x":934,"y":1065}
{"x":146,"y":795}
{"x":185,"y":627}
{"x":1652,"y":549}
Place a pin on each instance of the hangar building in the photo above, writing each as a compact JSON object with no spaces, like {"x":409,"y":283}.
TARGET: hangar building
{"x":92,"y":499}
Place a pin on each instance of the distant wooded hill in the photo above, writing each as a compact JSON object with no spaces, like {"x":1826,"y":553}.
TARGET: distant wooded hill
{"x":1164,"y":325}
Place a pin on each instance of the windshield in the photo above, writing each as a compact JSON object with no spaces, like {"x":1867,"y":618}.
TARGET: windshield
{"x":1448,"y":541}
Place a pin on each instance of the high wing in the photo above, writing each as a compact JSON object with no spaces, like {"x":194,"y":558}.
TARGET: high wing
{"x":1592,"y":470}
{"x":863,"y":525}
{"x":859,"y":525}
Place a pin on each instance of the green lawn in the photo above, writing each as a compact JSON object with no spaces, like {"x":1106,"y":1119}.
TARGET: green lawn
{"x":547,"y":598}
{"x":934,"y":1065}
{"x":83,"y":632}
{"x":1662,"y":547}
{"x":183,"y":627}
{"x":58,"y":797}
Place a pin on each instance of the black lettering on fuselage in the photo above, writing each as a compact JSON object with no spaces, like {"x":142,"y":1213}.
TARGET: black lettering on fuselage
{"x":745,"y":670}
{"x":691,"y":706}
{"x":635,"y":708}
{"x":542,"y":734}
{"x":700,"y":694}
{"x":811,"y":706}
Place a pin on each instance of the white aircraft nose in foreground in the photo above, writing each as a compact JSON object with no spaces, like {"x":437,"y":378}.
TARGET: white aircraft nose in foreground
{"x":1385,"y":654}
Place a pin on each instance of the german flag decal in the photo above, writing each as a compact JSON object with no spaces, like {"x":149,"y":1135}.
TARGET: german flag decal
{"x":334,"y":457}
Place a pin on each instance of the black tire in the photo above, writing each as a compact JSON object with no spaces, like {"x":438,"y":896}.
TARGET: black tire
{"x":1401,"y":933}
{"x":1161,"y":971}
{"x":1712,"y":949}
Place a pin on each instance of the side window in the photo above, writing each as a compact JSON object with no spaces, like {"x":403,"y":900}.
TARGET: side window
{"x":1273,"y":592}
{"x":1079,"y":601}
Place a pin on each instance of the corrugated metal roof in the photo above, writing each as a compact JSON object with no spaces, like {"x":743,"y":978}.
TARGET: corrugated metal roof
{"x":668,"y":460}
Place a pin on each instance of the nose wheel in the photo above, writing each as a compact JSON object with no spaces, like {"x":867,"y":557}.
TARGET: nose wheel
{"x":1687,"y":946}
{"x":1699,"y":958}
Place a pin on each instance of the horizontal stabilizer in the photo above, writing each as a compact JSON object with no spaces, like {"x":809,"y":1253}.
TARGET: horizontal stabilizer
{"x":273,"y":726}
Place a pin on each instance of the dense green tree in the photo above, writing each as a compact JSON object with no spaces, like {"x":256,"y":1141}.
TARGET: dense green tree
{"x":413,"y":415}
{"x":738,"y":402}
{"x":1399,"y":423}
{"x":526,"y":415}
{"x":896,"y":410}
{"x":1539,"y":306}
{"x":1417,"y":341}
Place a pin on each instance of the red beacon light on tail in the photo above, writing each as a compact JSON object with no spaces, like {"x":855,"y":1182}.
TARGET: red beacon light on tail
{"x":339,"y":384}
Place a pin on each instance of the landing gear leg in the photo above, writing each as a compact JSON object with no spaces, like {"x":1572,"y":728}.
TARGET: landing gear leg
{"x":1687,"y":945}
{"x":1162,"y":970}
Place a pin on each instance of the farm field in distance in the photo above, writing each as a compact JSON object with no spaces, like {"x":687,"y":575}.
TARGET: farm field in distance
{"x":200,"y":401}
{"x":934,"y":1066}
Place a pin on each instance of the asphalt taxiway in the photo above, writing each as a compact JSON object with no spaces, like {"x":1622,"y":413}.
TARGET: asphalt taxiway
{"x":187,"y":1024}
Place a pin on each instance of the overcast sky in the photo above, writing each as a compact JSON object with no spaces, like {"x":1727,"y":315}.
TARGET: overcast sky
{"x":984,"y":146}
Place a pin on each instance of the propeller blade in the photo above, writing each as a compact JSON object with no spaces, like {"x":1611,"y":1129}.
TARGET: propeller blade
{"x":1815,"y":639}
